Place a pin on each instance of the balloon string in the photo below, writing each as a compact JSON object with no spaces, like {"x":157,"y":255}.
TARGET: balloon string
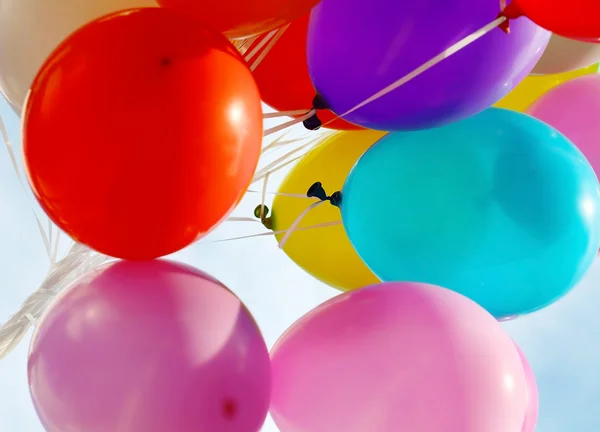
{"x":428,"y":65}
{"x":268,"y":48}
{"x":240,"y":219}
{"x":242,"y":45}
{"x":250,"y":54}
{"x":502,"y":5}
{"x":291,"y":123}
{"x":295,"y":224}
{"x":280,"y":162}
{"x":78,"y":261}
{"x":280,"y":194}
{"x":279,"y":142}
{"x":272,"y":233}
{"x":285,"y":113}
{"x":13,"y":159}
{"x":264,"y":196}
{"x":276,"y":141}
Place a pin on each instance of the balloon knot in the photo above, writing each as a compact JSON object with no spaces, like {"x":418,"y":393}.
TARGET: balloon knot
{"x":505,"y":25}
{"x":313,"y":122}
{"x":510,"y":12}
{"x":261,"y":212}
{"x":317,"y":191}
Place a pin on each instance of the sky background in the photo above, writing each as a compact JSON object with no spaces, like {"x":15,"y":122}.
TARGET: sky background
{"x":561,"y":342}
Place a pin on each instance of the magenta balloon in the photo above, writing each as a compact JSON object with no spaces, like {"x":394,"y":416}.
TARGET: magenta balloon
{"x":149,"y":347}
{"x":398,"y":357}
{"x":358,"y":47}
{"x":531,"y":416}
{"x":573,"y":109}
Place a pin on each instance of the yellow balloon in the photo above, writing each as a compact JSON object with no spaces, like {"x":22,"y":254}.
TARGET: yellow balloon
{"x":326,"y":253}
{"x":535,"y":86}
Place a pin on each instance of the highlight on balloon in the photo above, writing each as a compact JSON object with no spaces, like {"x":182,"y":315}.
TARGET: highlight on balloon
{"x":436,"y":166}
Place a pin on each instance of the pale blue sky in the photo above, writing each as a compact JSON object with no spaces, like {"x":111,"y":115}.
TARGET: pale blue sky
{"x":561,"y":342}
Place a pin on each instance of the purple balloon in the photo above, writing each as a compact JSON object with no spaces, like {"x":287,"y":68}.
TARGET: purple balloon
{"x":149,"y":347}
{"x":356,"y":48}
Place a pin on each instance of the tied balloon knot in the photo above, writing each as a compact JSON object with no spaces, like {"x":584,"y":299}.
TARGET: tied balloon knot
{"x":314,"y":122}
{"x":510,"y":12}
{"x":504,"y":25}
{"x":262,"y":212}
{"x":317,"y":191}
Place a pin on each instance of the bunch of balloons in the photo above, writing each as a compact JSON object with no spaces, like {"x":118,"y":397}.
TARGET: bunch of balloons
{"x":462,"y":185}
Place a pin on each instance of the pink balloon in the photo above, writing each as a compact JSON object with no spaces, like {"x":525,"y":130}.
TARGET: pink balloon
{"x":149,"y":347}
{"x":531,"y":416}
{"x":398,"y":357}
{"x":572,"y":108}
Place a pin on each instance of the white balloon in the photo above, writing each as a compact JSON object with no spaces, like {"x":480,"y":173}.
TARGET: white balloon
{"x":31,"y":29}
{"x":564,"y":55}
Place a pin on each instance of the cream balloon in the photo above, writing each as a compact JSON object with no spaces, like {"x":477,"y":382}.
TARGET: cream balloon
{"x":564,"y":55}
{"x":31,"y":29}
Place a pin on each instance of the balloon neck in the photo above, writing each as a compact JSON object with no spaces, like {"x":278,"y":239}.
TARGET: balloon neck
{"x":510,"y":12}
{"x":261,"y":212}
{"x":317,"y":191}
{"x":314,"y":122}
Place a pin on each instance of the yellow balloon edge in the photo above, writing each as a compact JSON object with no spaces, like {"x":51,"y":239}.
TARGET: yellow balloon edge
{"x":325,"y":253}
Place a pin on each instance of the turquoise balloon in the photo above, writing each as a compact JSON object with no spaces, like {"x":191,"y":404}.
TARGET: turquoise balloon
{"x":499,"y":207}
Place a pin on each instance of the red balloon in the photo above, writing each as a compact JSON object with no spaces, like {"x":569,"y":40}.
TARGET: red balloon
{"x":575,"y":19}
{"x":242,"y":18}
{"x":141,"y":132}
{"x":282,"y":76}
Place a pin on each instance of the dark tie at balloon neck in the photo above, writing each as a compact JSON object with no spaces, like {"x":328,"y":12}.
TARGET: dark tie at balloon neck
{"x":314,"y":122}
{"x":315,"y":191}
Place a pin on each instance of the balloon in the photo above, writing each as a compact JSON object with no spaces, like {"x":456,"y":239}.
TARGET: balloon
{"x":499,"y":207}
{"x":397,"y":357}
{"x":534,"y":86}
{"x":149,"y":347}
{"x":31,"y":29}
{"x":153,"y":138}
{"x":564,"y":55}
{"x":282,"y":75}
{"x":572,"y":108}
{"x":242,"y":18}
{"x":325,"y":253}
{"x":531,"y":416}
{"x":576,"y":19}
{"x":388,"y":39}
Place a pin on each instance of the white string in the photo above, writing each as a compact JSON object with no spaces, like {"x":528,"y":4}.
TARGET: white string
{"x":13,"y":159}
{"x":288,"y":124}
{"x":502,"y":5}
{"x":294,"y":225}
{"x":278,"y":168}
{"x":272,"y":233}
{"x":78,"y":261}
{"x":428,"y":65}
{"x":259,"y":175}
{"x":242,"y":45}
{"x":249,"y":55}
{"x":264,"y":196}
{"x":56,"y":247}
{"x":291,"y":113}
{"x":280,"y":194}
{"x":275,"y":141}
{"x":240,"y":219}
{"x":268,"y":48}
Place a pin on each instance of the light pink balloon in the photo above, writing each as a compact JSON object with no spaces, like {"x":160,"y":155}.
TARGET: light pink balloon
{"x":149,"y":347}
{"x":398,"y":357}
{"x":531,"y":417}
{"x":573,"y":108}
